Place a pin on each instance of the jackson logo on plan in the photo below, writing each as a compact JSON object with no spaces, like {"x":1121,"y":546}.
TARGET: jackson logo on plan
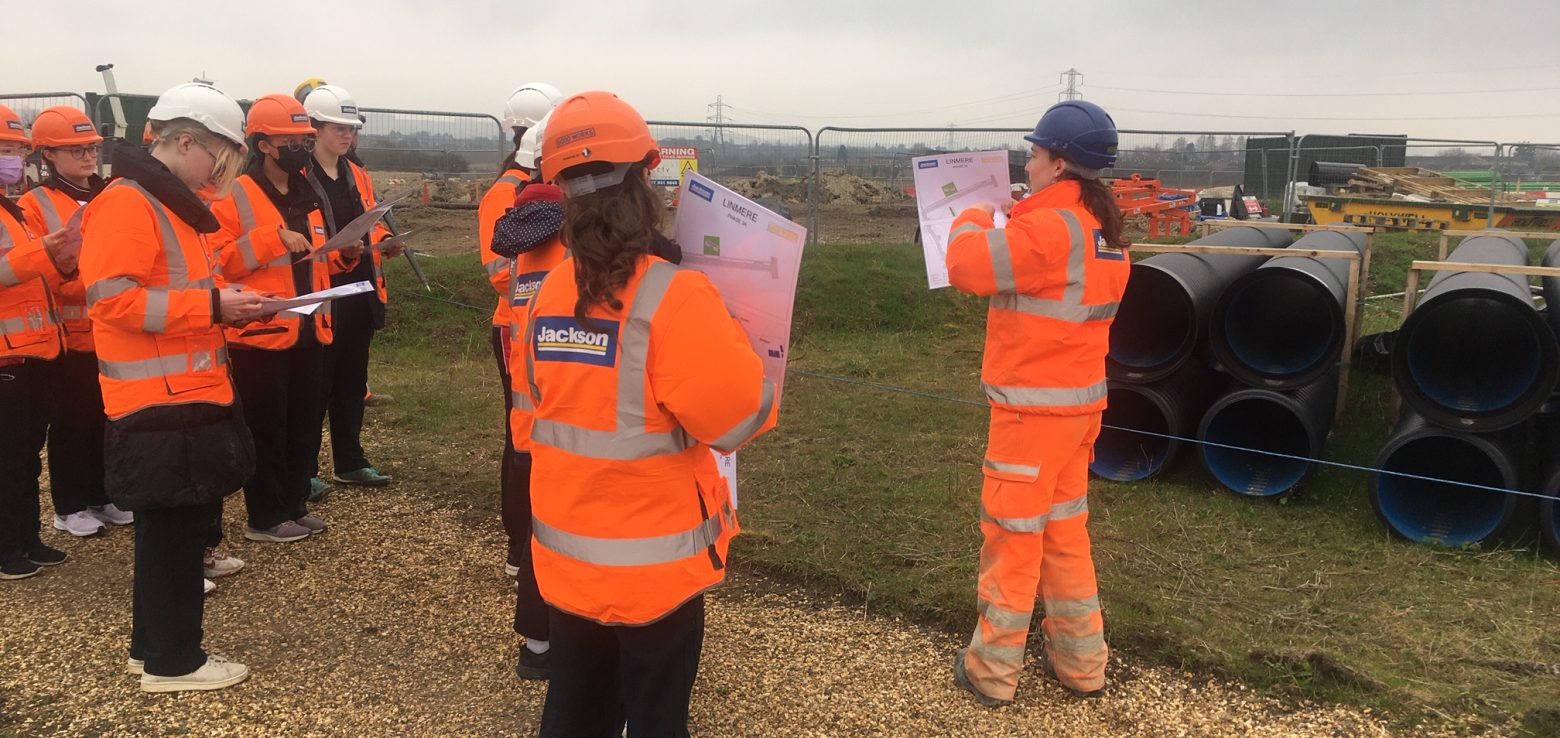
{"x":526,"y":286}
{"x":560,"y":338}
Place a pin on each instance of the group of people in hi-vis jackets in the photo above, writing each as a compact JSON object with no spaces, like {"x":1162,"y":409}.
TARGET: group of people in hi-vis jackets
{"x":621,"y":371}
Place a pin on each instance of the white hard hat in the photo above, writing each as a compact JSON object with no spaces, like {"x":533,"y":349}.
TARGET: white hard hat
{"x":205,"y":105}
{"x":528,"y":103}
{"x":529,"y":153}
{"x":332,"y":104}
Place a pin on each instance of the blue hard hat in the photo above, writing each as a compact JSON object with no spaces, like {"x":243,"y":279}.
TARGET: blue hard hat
{"x":1079,"y":130}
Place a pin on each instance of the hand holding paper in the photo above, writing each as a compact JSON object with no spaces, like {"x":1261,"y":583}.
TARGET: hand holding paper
{"x":307,"y":304}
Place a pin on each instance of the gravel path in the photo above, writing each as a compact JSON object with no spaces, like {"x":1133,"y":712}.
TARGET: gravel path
{"x":396,"y":623}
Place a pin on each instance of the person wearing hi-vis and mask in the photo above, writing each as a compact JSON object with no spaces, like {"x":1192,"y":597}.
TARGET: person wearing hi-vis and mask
{"x":1055,"y":275}
{"x":175,"y":443}
{"x":31,"y":338}
{"x":270,"y":223}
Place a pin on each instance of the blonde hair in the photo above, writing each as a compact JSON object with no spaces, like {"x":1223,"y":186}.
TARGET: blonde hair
{"x":229,"y":156}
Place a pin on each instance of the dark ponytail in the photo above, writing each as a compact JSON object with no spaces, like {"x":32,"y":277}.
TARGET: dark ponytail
{"x":1101,"y":203}
{"x":509,"y":161}
{"x":607,"y":232}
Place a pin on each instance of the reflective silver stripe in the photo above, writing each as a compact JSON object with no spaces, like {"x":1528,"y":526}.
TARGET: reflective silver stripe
{"x":1070,"y":509}
{"x":514,"y":283}
{"x":207,"y":283}
{"x":996,"y":654}
{"x":156,"y":319}
{"x":745,"y":430}
{"x":963,"y":229}
{"x":495,"y":266}
{"x":8,"y":276}
{"x":10,"y":326}
{"x":162,"y":366}
{"x":1086,"y":644}
{"x":246,"y":250}
{"x":1073,"y":293}
{"x":521,"y":401}
{"x":1001,"y":260}
{"x":1035,"y":524}
{"x":1053,"y":308}
{"x":1000,"y":617}
{"x":51,"y":216}
{"x":525,"y":347}
{"x":1045,"y":396}
{"x":173,"y":254}
{"x":618,"y":445}
{"x":1072,"y":608}
{"x":246,"y":224}
{"x":1002,"y":466}
{"x":632,"y":551}
{"x":106,"y":288}
{"x":73,"y":312}
{"x":510,"y":179}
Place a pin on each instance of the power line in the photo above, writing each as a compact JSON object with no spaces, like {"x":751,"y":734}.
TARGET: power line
{"x":1333,"y":118}
{"x":999,"y":98}
{"x":1071,"y":93}
{"x":1220,"y":93}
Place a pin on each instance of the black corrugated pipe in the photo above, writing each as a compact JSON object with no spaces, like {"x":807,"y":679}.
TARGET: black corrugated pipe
{"x":1170,"y":408}
{"x":1294,"y":422}
{"x":1168,"y":299}
{"x":1552,"y":286}
{"x":1549,"y":457}
{"x":1330,"y":173}
{"x":1449,"y":514}
{"x":1475,"y":354}
{"x":1282,"y":325}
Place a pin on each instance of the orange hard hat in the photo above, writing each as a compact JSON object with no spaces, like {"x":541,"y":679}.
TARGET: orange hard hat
{"x":11,"y":128}
{"x":278,"y":115}
{"x":596,"y":127}
{"x":63,"y":125}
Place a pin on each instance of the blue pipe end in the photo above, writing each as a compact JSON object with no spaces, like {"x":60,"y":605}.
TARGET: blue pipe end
{"x":1262,"y":424}
{"x":1436,"y":512}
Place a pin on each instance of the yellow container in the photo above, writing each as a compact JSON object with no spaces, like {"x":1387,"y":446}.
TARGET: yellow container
{"x":1427,"y":216}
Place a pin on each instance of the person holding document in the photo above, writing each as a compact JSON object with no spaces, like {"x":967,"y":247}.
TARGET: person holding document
{"x":633,"y":370}
{"x":175,"y":443}
{"x":270,"y":222}
{"x":345,"y":192}
{"x":1055,"y":274}
{"x":30,"y":340}
{"x":69,"y":144}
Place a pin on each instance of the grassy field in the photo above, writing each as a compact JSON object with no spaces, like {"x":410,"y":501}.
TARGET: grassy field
{"x":874,"y":494}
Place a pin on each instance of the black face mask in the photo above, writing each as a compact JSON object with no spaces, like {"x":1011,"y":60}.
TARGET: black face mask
{"x":292,"y":159}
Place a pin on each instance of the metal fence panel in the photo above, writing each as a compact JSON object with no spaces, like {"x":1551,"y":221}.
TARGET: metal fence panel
{"x":766,"y":162}
{"x":466,"y":145}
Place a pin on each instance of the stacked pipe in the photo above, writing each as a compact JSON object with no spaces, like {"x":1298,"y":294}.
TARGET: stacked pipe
{"x":1473,"y":363}
{"x":1159,"y":367}
{"x":1278,"y":331}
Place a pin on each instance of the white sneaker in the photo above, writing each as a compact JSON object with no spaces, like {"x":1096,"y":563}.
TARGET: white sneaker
{"x":216,"y":673}
{"x":218,"y":564}
{"x":510,"y":570}
{"x":79,"y":524}
{"x":111,"y":514}
{"x":136,"y":667}
{"x":210,"y":587}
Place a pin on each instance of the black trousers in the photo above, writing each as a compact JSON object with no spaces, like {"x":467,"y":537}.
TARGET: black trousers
{"x":505,"y":467}
{"x":344,"y":383}
{"x":76,"y":434}
{"x":281,"y":395}
{"x":604,"y":675}
{"x":169,"y":597}
{"x":24,"y":422}
{"x":531,"y":611}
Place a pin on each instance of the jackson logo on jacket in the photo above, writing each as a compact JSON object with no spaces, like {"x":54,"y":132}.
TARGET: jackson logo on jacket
{"x":565,"y":339}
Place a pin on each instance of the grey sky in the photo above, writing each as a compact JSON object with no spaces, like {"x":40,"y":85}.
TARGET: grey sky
{"x":839,"y":62}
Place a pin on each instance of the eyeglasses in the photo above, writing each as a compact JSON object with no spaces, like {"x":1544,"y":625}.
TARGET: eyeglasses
{"x":306,"y":144}
{"x":80,"y":153}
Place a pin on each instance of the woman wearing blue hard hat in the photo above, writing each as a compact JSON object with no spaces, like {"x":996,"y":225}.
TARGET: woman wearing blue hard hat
{"x":1055,"y":275}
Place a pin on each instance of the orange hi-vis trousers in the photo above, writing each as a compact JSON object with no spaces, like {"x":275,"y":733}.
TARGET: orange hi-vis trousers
{"x":1034,"y":508}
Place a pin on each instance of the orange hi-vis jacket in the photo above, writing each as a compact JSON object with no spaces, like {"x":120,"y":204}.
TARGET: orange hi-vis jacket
{"x":632,"y":518}
{"x":250,"y":252}
{"x":29,"y":320}
{"x":526,"y":273}
{"x":498,"y":200}
{"x":149,"y":278}
{"x":365,"y":188}
{"x":1054,"y":284}
{"x":48,"y":210}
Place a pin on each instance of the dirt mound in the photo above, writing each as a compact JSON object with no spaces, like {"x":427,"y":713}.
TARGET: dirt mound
{"x":768,"y":186}
{"x":838,"y":187}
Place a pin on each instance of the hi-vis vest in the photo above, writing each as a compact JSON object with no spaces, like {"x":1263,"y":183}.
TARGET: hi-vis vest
{"x":29,"y":322}
{"x":631,"y":518}
{"x":1055,"y":284}
{"x":365,"y":188}
{"x":525,"y":278}
{"x":250,"y":252}
{"x":149,"y":278}
{"x":48,"y":210}
{"x":498,"y":200}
